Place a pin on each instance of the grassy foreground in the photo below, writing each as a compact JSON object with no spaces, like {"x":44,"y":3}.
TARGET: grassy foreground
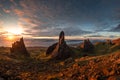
{"x":101,"y":64}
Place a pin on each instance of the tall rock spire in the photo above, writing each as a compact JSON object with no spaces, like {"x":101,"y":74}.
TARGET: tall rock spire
{"x":18,"y":48}
{"x":60,"y":50}
{"x":61,"y":38}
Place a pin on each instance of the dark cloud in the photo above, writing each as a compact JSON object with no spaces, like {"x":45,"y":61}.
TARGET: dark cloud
{"x":96,"y":36}
{"x":49,"y":17}
{"x":116,"y":29}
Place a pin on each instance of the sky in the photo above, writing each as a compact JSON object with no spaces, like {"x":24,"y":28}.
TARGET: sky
{"x":46,"y":18}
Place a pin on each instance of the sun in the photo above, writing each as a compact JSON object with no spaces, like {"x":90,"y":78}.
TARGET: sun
{"x":12,"y":33}
{"x":11,"y":37}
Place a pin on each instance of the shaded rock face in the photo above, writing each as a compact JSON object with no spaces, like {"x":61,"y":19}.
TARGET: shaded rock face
{"x":109,"y":42}
{"x":88,"y":46}
{"x":61,"y":38}
{"x":18,"y":48}
{"x":60,"y":50}
{"x":51,"y":48}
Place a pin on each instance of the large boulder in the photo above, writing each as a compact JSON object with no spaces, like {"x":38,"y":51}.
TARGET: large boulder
{"x":88,"y":46}
{"x":60,"y":50}
{"x":18,"y":49}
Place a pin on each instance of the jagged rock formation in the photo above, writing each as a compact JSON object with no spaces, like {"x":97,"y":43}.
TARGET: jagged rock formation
{"x":109,"y":42}
{"x":88,"y":46}
{"x":18,"y":48}
{"x":60,"y":50}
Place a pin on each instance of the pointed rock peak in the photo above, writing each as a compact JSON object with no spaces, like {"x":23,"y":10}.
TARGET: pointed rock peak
{"x":21,"y":39}
{"x":61,"y":37}
{"x":18,"y":48}
{"x":88,"y":46}
{"x":60,"y":50}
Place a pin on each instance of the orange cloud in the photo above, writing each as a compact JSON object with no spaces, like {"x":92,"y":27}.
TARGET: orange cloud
{"x":6,"y":10}
{"x":19,"y":12}
{"x":28,"y":21}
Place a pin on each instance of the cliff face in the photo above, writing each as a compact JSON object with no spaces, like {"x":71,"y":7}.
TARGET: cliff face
{"x":18,"y":48}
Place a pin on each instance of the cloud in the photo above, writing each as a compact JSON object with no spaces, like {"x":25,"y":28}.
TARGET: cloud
{"x":95,"y":35}
{"x":14,"y":3}
{"x":116,"y":29}
{"x":3,"y":33}
{"x":1,"y":27}
{"x":19,"y":12}
{"x":68,"y":11}
{"x":75,"y":17}
{"x":6,"y":10}
{"x":45,"y":19}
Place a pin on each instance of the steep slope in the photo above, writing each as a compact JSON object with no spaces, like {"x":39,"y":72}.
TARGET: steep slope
{"x":104,"y":67}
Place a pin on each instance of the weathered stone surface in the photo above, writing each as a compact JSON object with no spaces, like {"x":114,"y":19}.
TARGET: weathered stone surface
{"x":60,"y":50}
{"x":61,"y":38}
{"x":109,"y":42}
{"x":51,"y":48}
{"x":88,"y":46}
{"x":18,"y":48}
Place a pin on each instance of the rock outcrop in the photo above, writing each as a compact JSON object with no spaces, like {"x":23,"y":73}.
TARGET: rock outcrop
{"x":60,"y":50}
{"x":116,"y":41}
{"x":18,"y":49}
{"x":51,"y":48}
{"x":109,"y":42}
{"x":88,"y":46}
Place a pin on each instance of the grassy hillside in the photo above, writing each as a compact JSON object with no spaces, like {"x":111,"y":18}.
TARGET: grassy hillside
{"x":103,"y":63}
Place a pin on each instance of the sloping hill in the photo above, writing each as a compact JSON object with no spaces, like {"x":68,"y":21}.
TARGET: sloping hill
{"x":104,"y":67}
{"x":101,"y":64}
{"x":95,"y":68}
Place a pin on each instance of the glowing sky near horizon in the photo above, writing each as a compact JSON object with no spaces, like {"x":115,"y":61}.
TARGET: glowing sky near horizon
{"x":46,"y":18}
